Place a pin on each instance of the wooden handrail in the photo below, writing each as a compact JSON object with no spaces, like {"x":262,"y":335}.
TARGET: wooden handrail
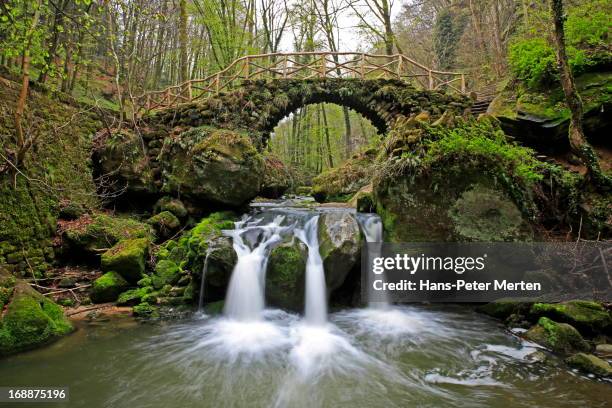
{"x":304,"y":65}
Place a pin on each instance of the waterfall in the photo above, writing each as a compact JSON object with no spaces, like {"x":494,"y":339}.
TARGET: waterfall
{"x":245,"y":294}
{"x":204,"y":269}
{"x":371,"y":226}
{"x":316,"y":297}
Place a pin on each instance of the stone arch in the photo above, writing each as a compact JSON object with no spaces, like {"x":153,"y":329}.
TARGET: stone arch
{"x":258,"y":106}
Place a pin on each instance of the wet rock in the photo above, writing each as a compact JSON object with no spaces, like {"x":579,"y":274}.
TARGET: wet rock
{"x":166,"y":273}
{"x":285,"y":276}
{"x":30,"y":320}
{"x":587,"y":316}
{"x":503,"y":309}
{"x":590,"y":364}
{"x":604,"y":350}
{"x":559,"y":337}
{"x":339,"y":245}
{"x":128,"y":258}
{"x":221,"y":261}
{"x":133,"y":297}
{"x":108,"y":287}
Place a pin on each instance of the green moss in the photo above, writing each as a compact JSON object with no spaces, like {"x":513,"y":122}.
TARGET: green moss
{"x":133,"y":296}
{"x":502,"y":309}
{"x":166,"y":273}
{"x":91,"y":233}
{"x":285,"y":276}
{"x":586,"y":315}
{"x":146,"y":310}
{"x":172,"y":205}
{"x":341,"y":183}
{"x":590,"y":364}
{"x":108,"y":287}
{"x":30,"y":320}
{"x":128,"y":258}
{"x":214,"y":308}
{"x":559,"y":337}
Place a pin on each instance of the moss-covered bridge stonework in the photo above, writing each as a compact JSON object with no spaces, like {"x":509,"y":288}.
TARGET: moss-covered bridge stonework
{"x":210,"y":152}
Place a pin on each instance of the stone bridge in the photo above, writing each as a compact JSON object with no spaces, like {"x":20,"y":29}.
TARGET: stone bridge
{"x":207,"y":149}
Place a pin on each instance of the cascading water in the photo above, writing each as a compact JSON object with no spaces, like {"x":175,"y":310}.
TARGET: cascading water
{"x":204,"y":269}
{"x":315,"y":309}
{"x":371,"y":225}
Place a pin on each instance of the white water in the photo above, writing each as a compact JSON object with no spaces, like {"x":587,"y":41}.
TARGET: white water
{"x":315,"y":309}
{"x":371,"y":226}
{"x":204,"y":269}
{"x":252,"y":243}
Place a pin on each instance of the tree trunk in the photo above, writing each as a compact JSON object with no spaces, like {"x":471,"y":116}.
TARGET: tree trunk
{"x":184,"y":71}
{"x":579,"y":145}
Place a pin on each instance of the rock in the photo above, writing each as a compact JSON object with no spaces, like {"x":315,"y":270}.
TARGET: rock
{"x":92,"y":233}
{"x":212,"y":165}
{"x":590,"y":364}
{"x":536,"y":357}
{"x":559,"y":337}
{"x":67,"y":283}
{"x":165,"y":224}
{"x":339,"y":245}
{"x":108,"y":287}
{"x":584,"y":315}
{"x":71,"y":211}
{"x":285,"y":276}
{"x":128,"y":258}
{"x":146,"y":310}
{"x":166,"y":273}
{"x":276,"y":180}
{"x":604,"y":350}
{"x":30,"y":320}
{"x":363,"y":200}
{"x":173,"y":205}
{"x":339,"y":184}
{"x":221,"y":261}
{"x":133,"y":297}
{"x":503,"y":309}
{"x":214,"y":308}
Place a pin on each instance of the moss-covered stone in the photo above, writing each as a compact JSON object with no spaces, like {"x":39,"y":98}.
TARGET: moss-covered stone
{"x":502,"y":309}
{"x":589,"y":316}
{"x":212,"y":165}
{"x":341,"y":183}
{"x":339,"y":245}
{"x":145,"y":310}
{"x":559,"y":337}
{"x":214,"y":308}
{"x":165,"y":224}
{"x":591,"y":364}
{"x":276,"y":179}
{"x":128,"y":258}
{"x":30,"y":320}
{"x":108,"y":287}
{"x":285,"y":276}
{"x":133,"y":297}
{"x":100,"y":231}
{"x":173,"y":205}
{"x":166,"y":273}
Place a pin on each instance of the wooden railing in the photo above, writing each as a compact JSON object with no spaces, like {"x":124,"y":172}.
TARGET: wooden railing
{"x":304,"y":65}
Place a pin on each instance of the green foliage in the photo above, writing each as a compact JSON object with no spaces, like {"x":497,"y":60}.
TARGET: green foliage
{"x":481,"y":139}
{"x":447,"y":34}
{"x":532,"y":58}
{"x":127,"y":257}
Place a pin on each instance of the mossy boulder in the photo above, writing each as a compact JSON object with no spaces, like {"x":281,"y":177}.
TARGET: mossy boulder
{"x":587,"y":316}
{"x":146,"y":311}
{"x":173,"y":205}
{"x":108,"y":287}
{"x":128,"y":258}
{"x":591,"y":364}
{"x":221,"y":261}
{"x":99,"y":231}
{"x":212,"y":165}
{"x":166,"y":272}
{"x":504,"y":308}
{"x":165,"y":224}
{"x":133,"y":297}
{"x":30,"y":320}
{"x":277,"y":178}
{"x":7,"y":284}
{"x":285,"y":276}
{"x":339,"y":245}
{"x":466,"y":183}
{"x":561,"y":338}
{"x":341,"y":183}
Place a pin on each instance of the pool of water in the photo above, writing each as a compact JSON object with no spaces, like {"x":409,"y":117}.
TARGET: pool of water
{"x":399,"y":357}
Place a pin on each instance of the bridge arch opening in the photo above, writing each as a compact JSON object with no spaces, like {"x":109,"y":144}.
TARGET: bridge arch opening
{"x":319,"y":136}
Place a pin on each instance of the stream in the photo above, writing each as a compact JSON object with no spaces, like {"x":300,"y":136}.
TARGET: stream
{"x":252,"y":356}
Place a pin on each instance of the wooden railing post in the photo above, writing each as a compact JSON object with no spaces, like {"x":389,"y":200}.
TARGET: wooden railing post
{"x":323,"y":67}
{"x":362,"y":67}
{"x":285,"y":67}
{"x":431,"y":80}
{"x":218,"y":82}
{"x":462,"y":83}
{"x":399,"y":67}
{"x":189,"y":95}
{"x":248,"y":68}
